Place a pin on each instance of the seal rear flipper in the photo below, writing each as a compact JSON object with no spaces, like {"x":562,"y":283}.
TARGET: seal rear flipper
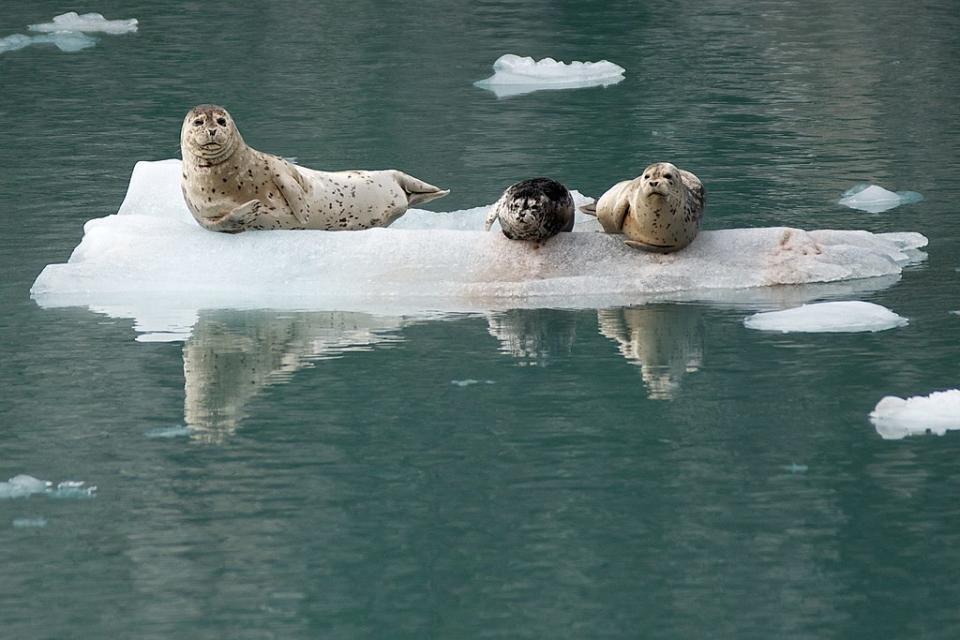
{"x":418,"y":191}
{"x":651,"y":248}
{"x":590,"y":208}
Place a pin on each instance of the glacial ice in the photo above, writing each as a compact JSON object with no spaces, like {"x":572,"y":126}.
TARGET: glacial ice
{"x":896,"y":418}
{"x":514,"y":75}
{"x":827,"y":317}
{"x":66,"y":41}
{"x":875,"y":199}
{"x":88,"y":22}
{"x":152,"y":262}
{"x":21,"y":486}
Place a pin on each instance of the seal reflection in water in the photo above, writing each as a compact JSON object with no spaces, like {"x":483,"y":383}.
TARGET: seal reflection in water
{"x":231,"y":187}
{"x":534,"y":337}
{"x":659,"y":211}
{"x":231,"y":357}
{"x":535,"y":209}
{"x":666,"y":342}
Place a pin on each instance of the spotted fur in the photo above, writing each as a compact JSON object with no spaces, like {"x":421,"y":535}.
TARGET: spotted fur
{"x":535,"y":209}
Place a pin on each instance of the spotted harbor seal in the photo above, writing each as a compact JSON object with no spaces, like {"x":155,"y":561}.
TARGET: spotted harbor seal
{"x":535,"y":209}
{"x":660,"y":211}
{"x":231,"y":187}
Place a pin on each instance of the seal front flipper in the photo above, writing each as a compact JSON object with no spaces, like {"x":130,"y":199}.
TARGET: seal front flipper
{"x":650,"y":248}
{"x":294,"y":189}
{"x":492,"y":215}
{"x":418,"y":191}
{"x":244,"y":217}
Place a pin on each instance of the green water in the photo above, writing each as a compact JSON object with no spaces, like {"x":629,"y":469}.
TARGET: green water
{"x":657,"y":472}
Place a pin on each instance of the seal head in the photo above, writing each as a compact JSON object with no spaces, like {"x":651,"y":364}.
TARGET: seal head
{"x":209,"y":134}
{"x":534,"y":209}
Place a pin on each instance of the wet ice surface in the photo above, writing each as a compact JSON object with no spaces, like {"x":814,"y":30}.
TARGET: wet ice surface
{"x":87,"y":22}
{"x":22,"y":485}
{"x":827,"y":317}
{"x":937,"y":413}
{"x":515,"y":75}
{"x":152,"y":262}
{"x":876,"y":199}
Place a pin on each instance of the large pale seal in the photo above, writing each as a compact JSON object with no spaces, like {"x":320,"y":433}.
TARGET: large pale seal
{"x":534,"y":209}
{"x":659,"y":211}
{"x":231,"y":187}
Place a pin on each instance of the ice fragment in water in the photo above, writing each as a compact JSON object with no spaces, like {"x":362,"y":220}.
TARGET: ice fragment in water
{"x":874,"y":199}
{"x":66,"y":41}
{"x":72,"y":489}
{"x":468,"y":382}
{"x":896,"y":418}
{"x":23,"y":485}
{"x":514,"y":75}
{"x":88,"y":22}
{"x":169,"y":432}
{"x":827,"y":317}
{"x":29,"y":523}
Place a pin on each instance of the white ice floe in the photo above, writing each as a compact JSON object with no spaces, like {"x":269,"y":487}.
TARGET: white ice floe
{"x":896,"y":418}
{"x":87,"y":23}
{"x":22,"y":485}
{"x":513,"y":75}
{"x":874,"y":199}
{"x":152,"y":262}
{"x":64,"y":41}
{"x":827,"y":317}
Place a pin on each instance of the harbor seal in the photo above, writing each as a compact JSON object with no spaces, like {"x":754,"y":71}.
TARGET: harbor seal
{"x":231,"y":187}
{"x":535,"y":209}
{"x":659,"y":211}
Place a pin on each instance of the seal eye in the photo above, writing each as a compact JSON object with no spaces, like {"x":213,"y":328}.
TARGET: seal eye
{"x":198,"y":122}
{"x":222,"y":122}
{"x":646,"y":177}
{"x":668,"y":176}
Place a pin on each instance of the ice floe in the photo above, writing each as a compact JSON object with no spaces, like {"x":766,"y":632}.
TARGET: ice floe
{"x":514,"y":75}
{"x":827,"y":317}
{"x":152,"y":262}
{"x":68,"y":31}
{"x":874,"y":199}
{"x":86,"y":23}
{"x":22,"y":485}
{"x":896,"y":418}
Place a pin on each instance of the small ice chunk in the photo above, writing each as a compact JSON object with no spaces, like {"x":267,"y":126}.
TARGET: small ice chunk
{"x":896,"y":418}
{"x":793,"y":467}
{"x":29,"y":523}
{"x":72,"y":489}
{"x":21,"y":486}
{"x":514,"y":75}
{"x":827,"y":317}
{"x":874,"y":199}
{"x":88,"y":22}
{"x":469,"y":382}
{"x":65,"y":41}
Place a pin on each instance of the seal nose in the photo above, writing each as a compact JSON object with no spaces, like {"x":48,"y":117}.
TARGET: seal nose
{"x":212,"y":132}
{"x":654,"y":183}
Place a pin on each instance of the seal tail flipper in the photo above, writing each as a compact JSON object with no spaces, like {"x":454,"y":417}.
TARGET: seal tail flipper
{"x":651,"y":248}
{"x":418,"y":191}
{"x":590,"y":208}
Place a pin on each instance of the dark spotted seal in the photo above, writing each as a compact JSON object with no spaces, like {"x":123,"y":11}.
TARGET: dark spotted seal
{"x":231,"y":187}
{"x":535,"y":209}
{"x":659,"y":211}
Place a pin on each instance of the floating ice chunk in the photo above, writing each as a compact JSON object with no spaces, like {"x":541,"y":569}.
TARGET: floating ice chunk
{"x":153,"y":255}
{"x":514,"y":75}
{"x":896,"y":418}
{"x":29,"y":523}
{"x":469,"y":382}
{"x":874,"y":199}
{"x":827,"y":317}
{"x":88,"y":22}
{"x":23,"y":485}
{"x":66,"y":41}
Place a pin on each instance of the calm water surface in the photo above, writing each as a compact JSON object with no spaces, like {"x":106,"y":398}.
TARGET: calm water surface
{"x":654,"y":471}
